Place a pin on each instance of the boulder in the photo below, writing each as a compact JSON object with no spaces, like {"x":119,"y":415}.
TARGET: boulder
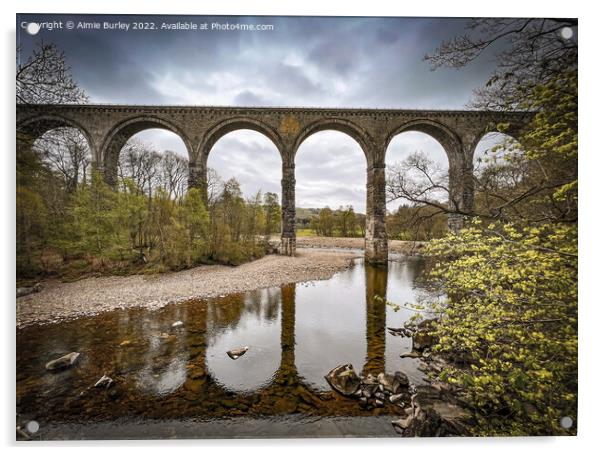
{"x":343,"y":379}
{"x":392,"y":383}
{"x":395,"y":398}
{"x":370,"y":379}
{"x":177,"y":324}
{"x":402,"y":378}
{"x":368,"y":390}
{"x":422,"y":340}
{"x":63,"y":362}
{"x":433,"y":414}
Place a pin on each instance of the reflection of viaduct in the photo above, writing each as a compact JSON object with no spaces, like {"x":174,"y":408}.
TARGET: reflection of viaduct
{"x":108,"y":127}
{"x":287,"y":373}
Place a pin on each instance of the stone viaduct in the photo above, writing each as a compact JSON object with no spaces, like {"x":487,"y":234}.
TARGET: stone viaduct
{"x":108,"y":127}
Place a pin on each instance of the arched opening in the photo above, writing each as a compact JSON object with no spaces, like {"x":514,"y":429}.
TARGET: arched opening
{"x":330,"y":174}
{"x":33,"y":128}
{"x":125,"y":131}
{"x":53,"y":161}
{"x":249,"y":157}
{"x":493,"y":148}
{"x":417,"y":174}
{"x":242,"y":168}
{"x":233,"y":125}
{"x":501,"y":174}
{"x":154,"y":159}
{"x":244,"y":171}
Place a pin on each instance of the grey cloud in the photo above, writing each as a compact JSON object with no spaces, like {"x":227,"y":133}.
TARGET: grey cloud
{"x":363,"y":62}
{"x":249,"y":98}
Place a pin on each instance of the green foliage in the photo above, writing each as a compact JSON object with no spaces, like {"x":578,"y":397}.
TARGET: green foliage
{"x":535,"y":179}
{"x":343,"y":222}
{"x":273,"y":214}
{"x":99,"y":216}
{"x":127,"y":230}
{"x":510,"y":324}
{"x":416,"y":223}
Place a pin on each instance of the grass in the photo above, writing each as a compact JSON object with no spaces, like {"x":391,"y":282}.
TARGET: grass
{"x":305,"y":233}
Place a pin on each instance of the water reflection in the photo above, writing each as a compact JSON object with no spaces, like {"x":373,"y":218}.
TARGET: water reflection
{"x":258,"y":325}
{"x":296,"y":334}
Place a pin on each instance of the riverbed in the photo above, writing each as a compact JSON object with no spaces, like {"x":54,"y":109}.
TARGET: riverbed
{"x":179,"y":381}
{"x":60,"y":301}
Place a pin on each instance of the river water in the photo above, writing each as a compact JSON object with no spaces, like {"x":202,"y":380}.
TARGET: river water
{"x":180,"y":383}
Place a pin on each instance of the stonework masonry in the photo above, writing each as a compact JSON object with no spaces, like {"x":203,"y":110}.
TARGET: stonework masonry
{"x":108,"y":127}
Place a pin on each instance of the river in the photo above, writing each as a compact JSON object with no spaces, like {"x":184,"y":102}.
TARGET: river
{"x":180,"y":383}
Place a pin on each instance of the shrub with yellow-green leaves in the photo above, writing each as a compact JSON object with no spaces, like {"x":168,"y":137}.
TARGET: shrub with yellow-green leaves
{"x":509,"y":324}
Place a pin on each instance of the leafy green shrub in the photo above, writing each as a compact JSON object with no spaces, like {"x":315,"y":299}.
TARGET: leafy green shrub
{"x":510,"y":322}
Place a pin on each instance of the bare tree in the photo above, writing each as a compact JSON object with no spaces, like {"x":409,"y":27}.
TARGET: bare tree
{"x":174,"y":174}
{"x":139,"y":162}
{"x":67,"y":152}
{"x":45,"y":78}
{"x":215,"y":186}
{"x":536,"y":70}
{"x":420,"y":180}
{"x":534,"y":51}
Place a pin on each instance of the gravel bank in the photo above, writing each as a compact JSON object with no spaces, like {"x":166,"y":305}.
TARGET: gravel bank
{"x":395,"y":246}
{"x":59,"y":301}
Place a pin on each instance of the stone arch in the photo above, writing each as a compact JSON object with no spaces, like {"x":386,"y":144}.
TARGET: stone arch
{"x":216,"y":132}
{"x":343,"y":126}
{"x":448,"y":139}
{"x":32,"y":128}
{"x":460,"y":172}
{"x":123,"y":131}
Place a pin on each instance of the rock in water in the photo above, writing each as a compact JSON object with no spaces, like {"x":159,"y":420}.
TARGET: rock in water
{"x":343,"y":379}
{"x":105,"y":382}
{"x":236,"y":353}
{"x":411,"y":355}
{"x":402,"y":379}
{"x":422,"y":340}
{"x":63,"y":362}
{"x":393,"y":383}
{"x":432,"y":415}
{"x":395,"y":398}
{"x":368,"y":390}
{"x":177,"y":324}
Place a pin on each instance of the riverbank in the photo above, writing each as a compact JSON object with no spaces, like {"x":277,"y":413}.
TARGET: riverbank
{"x":60,"y":301}
{"x":407,"y":248}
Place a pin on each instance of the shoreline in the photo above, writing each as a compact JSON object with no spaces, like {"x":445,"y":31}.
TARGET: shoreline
{"x":403,"y":247}
{"x":59,"y":301}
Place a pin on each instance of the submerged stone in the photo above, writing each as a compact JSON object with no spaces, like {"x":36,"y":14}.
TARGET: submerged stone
{"x":105,"y":382}
{"x":236,"y":353}
{"x":63,"y":362}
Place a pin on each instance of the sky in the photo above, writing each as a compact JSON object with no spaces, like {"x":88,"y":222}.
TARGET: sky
{"x":299,"y":61}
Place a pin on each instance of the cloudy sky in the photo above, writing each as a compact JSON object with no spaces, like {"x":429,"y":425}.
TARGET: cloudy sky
{"x":302,"y":61}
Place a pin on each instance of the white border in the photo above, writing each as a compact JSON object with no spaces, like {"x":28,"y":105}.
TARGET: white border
{"x":590,"y":169}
